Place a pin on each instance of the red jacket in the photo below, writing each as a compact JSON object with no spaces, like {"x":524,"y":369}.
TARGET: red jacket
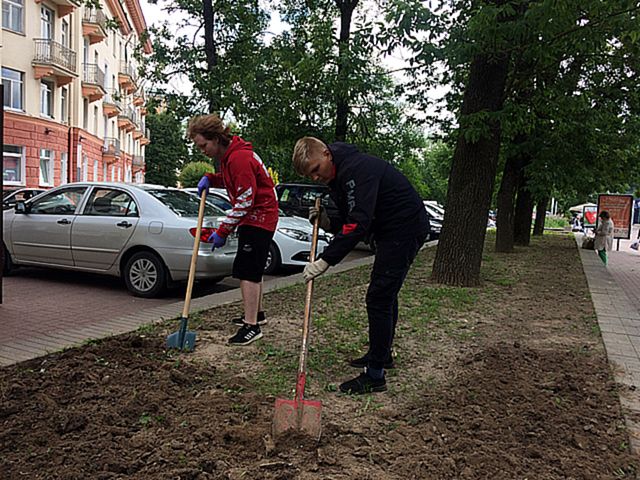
{"x":250,"y":189}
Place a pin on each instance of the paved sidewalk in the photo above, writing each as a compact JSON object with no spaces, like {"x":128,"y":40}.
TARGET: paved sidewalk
{"x":615,"y":291}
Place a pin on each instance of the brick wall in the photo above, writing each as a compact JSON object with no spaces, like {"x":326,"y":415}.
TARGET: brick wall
{"x":35,"y":133}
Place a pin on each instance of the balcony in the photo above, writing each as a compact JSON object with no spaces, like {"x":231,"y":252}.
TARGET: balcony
{"x":92,"y":82}
{"x":94,"y":25}
{"x":127,"y":77}
{"x":52,"y":59}
{"x":146,"y":140}
{"x":139,"y":98}
{"x":138,"y":131}
{"x":111,"y":104}
{"x":125,"y":120}
{"x":111,"y":149}
{"x":138,"y":161}
{"x":65,"y":7}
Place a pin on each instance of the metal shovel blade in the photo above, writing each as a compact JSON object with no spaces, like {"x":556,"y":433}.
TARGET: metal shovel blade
{"x":183,"y":339}
{"x":302,"y":415}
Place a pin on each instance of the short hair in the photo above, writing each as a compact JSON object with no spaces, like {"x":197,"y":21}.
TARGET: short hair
{"x":210,"y":127}
{"x":604,"y":214}
{"x":304,"y":148}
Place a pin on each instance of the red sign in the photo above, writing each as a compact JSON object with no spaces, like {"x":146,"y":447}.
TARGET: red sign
{"x":620,"y":208}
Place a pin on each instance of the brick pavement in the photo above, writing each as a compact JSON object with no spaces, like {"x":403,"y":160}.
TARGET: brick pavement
{"x":615,"y":292}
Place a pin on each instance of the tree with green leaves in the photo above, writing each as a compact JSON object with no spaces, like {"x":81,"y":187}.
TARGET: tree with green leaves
{"x":167,"y":152}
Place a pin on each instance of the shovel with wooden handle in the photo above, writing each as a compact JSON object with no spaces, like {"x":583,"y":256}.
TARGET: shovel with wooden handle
{"x":300,"y":414}
{"x":185,"y":339}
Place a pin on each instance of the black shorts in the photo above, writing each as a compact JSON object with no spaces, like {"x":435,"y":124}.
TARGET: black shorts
{"x":253,"y":249}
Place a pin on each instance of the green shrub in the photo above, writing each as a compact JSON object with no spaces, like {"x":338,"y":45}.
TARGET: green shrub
{"x":193,"y":172}
{"x":555,"y":222}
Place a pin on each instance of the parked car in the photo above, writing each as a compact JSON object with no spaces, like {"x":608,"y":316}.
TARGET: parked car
{"x":291,"y":241}
{"x":436,"y":217}
{"x":142,"y":233}
{"x":11,"y":197}
{"x":296,"y":199}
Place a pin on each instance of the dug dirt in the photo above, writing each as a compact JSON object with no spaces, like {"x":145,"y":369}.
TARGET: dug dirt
{"x":505,"y":381}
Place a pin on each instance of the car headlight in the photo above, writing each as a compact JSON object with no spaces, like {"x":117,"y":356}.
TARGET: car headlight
{"x":296,"y":234}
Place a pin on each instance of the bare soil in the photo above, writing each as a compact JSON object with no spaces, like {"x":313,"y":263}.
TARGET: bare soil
{"x":506,"y":381}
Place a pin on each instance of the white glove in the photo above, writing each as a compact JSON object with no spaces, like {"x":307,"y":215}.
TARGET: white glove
{"x":325,"y":223}
{"x":314,"y":269}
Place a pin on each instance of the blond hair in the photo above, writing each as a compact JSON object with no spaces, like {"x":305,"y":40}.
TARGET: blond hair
{"x":305,"y":147}
{"x":210,"y":127}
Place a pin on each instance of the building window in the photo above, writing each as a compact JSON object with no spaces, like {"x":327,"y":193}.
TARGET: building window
{"x":85,"y":168}
{"x":12,"y":12}
{"x":64,"y":167}
{"x":65,"y":39}
{"x":104,"y":172}
{"x":46,"y":167}
{"x":46,"y":99}
{"x":64,"y":105}
{"x":113,"y":173}
{"x":85,"y":114}
{"x":13,"y":86}
{"x":95,"y":170}
{"x":13,"y":165}
{"x":95,"y":120}
{"x":46,"y":23}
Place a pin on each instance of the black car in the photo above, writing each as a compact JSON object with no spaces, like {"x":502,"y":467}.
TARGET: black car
{"x":297,"y":198}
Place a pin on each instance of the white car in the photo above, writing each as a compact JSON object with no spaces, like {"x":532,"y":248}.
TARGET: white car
{"x":291,"y":241}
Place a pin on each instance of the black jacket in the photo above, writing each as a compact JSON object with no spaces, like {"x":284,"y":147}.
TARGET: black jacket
{"x":373,"y":197}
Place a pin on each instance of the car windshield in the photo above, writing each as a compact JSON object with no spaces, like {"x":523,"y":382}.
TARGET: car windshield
{"x":183,"y":203}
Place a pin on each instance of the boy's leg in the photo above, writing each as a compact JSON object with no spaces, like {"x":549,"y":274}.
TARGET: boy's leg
{"x":253,"y":248}
{"x":251,"y":300}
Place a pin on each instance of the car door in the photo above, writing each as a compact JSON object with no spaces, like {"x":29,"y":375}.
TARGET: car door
{"x":104,"y":227}
{"x":42,"y":235}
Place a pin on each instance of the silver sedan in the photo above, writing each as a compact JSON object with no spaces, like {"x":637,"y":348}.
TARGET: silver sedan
{"x":142,"y":233}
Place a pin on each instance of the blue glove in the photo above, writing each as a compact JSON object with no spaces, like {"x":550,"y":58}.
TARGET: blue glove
{"x":203,"y":185}
{"x":217,"y":240}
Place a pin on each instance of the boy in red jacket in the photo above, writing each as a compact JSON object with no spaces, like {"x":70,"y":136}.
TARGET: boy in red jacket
{"x":254,"y":213}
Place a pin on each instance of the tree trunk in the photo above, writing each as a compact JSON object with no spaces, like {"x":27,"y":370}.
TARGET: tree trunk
{"x":210,"y":51}
{"x":541,"y":215}
{"x":524,"y":211}
{"x":472,"y":177}
{"x":506,"y":207}
{"x":342,"y":91}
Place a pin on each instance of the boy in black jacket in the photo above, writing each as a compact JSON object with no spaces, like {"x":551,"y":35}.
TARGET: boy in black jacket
{"x":373,"y":197}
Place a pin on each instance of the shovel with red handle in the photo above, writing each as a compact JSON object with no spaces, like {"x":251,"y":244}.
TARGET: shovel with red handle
{"x":300,"y":414}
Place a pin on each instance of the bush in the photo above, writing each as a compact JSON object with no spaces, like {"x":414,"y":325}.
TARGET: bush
{"x":555,"y":222}
{"x":193,"y":172}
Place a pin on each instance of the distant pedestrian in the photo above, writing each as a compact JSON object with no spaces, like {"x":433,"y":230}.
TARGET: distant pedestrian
{"x":604,"y":236}
{"x":254,"y":213}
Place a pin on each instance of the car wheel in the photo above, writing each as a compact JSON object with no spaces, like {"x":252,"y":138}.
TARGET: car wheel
{"x":9,"y":267}
{"x":273,"y":260}
{"x":145,"y":275}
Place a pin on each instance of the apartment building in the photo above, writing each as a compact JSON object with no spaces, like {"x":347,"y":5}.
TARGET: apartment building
{"x":74,"y":105}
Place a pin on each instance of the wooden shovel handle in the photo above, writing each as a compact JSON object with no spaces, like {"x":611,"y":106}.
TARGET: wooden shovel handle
{"x":307,"y":309}
{"x":194,"y":256}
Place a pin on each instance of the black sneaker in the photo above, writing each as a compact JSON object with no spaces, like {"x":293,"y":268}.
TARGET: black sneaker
{"x":363,"y":362}
{"x":246,"y":335}
{"x":262,"y":319}
{"x":363,"y":383}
